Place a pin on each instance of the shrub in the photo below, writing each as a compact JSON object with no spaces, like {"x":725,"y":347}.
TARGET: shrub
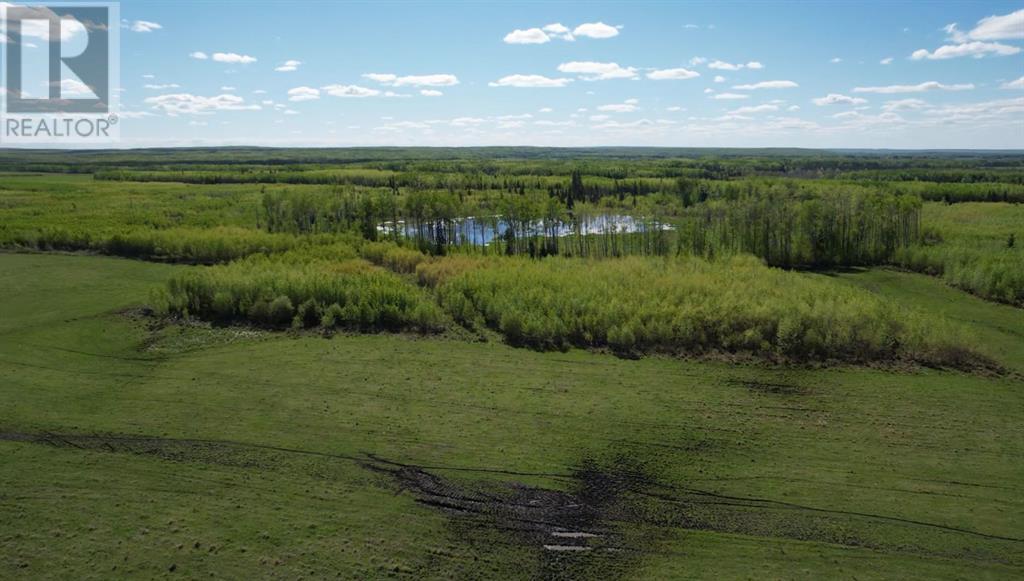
{"x":692,"y":306}
{"x":265,"y":290}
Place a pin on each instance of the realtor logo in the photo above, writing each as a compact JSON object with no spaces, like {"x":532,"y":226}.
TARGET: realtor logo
{"x":60,"y":64}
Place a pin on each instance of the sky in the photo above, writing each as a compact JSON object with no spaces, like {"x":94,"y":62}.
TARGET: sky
{"x":908,"y":75}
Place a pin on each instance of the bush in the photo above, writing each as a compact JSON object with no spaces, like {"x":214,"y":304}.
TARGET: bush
{"x":693,"y":306}
{"x":265,"y":289}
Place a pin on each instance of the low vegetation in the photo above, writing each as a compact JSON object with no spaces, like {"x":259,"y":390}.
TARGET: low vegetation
{"x":327,"y":287}
{"x":690,"y":307}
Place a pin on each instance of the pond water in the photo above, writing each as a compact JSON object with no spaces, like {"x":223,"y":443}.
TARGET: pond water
{"x":482,"y":231}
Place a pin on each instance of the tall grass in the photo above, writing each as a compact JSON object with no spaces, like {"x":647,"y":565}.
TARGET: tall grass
{"x":189,"y":245}
{"x":323,"y":286}
{"x":973,"y":246}
{"x":692,"y":306}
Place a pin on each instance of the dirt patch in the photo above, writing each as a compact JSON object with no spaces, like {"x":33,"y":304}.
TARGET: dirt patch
{"x":603,"y":519}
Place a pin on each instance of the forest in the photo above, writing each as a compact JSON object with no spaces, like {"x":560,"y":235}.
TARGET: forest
{"x":645,"y":251}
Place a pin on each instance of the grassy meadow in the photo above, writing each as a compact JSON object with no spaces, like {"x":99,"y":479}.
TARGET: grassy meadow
{"x":223,"y":364}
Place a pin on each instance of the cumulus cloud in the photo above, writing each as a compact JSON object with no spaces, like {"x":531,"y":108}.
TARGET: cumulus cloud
{"x":1006,"y":27}
{"x":162,"y":87}
{"x":144,"y":26}
{"x":719,"y":79}
{"x":557,"y":30}
{"x":918,"y":88}
{"x":350,"y":91}
{"x":767,"y":85}
{"x":199,"y":55}
{"x":724,"y":66}
{"x":976,"y":49}
{"x":188,"y":104}
{"x":303,"y":94}
{"x":595,"y":71}
{"x":1017,"y":84}
{"x":837,"y":99}
{"x":730,"y":96}
{"x":527,"y":36}
{"x":627,"y":106}
{"x":672,"y":74}
{"x":288,"y":66}
{"x":596,"y":30}
{"x":904,"y":104}
{"x":392,"y":80}
{"x":886,"y":61}
{"x":530,"y":81}
{"x":430,"y":93}
{"x":233,"y":58}
{"x":973,"y":43}
{"x":754,"y":109}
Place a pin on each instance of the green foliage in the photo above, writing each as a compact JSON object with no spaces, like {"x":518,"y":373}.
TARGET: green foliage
{"x":834,"y":228}
{"x":693,"y":306}
{"x":348,"y":293}
{"x":969,"y":249}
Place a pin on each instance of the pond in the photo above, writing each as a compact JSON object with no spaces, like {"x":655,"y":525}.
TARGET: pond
{"x":481,"y":231}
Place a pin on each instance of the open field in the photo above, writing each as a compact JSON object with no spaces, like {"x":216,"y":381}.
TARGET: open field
{"x":243,"y":380}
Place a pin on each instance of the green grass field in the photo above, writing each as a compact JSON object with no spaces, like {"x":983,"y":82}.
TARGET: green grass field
{"x":134,"y":449}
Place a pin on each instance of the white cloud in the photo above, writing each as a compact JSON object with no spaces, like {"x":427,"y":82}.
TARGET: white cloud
{"x":228,"y":89}
{"x":528,"y":36}
{"x":600,"y":117}
{"x":288,"y":66}
{"x":1005,"y":27}
{"x":837,"y":99}
{"x":594,"y":71}
{"x":627,"y":106}
{"x":975,"y":112}
{"x":754,"y":109}
{"x":144,"y":26}
{"x":672,"y":74}
{"x":40,"y":28}
{"x":162,"y":87}
{"x":977,"y":49}
{"x":290,"y":112}
{"x":466,"y":121}
{"x":185,"y":103}
{"x":698,"y":60}
{"x":392,"y":80}
{"x":793,"y":108}
{"x":1017,"y":84}
{"x":724,"y":66}
{"x":886,"y":61}
{"x":904,"y":104}
{"x":430,"y":93}
{"x":354,"y":91}
{"x":529,"y":81}
{"x":233,"y":58}
{"x":596,"y":30}
{"x":674,"y":108}
{"x":730,"y":96}
{"x":199,"y":55}
{"x":918,"y":88}
{"x":545,"y":110}
{"x":303,"y":94}
{"x":559,"y":31}
{"x":767,"y":85}
{"x":719,"y":79}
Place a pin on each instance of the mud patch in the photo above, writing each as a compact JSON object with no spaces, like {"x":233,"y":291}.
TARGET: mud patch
{"x":597,"y":521}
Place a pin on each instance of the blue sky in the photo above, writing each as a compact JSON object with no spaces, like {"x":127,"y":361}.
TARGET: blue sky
{"x":829,"y":74}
